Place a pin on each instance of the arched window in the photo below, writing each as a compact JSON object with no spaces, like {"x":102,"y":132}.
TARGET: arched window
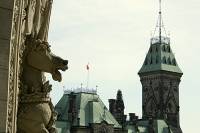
{"x":169,"y":61}
{"x":164,"y":48}
{"x":169,"y":49}
{"x":156,"y":48}
{"x":151,"y":60}
{"x":157,"y":59}
{"x":164,"y":60}
{"x":174,"y":62}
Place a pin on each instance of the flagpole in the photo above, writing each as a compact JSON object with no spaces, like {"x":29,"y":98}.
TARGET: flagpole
{"x":88,"y":75}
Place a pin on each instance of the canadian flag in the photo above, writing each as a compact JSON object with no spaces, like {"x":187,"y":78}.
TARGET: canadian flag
{"x":87,"y":66}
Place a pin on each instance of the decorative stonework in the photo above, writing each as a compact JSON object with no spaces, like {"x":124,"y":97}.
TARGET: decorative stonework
{"x":116,"y":107}
{"x":161,"y":97}
{"x":21,"y":40}
{"x":14,"y":66}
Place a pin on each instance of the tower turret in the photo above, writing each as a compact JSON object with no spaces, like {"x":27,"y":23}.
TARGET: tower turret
{"x":160,"y":77}
{"x":116,"y":107}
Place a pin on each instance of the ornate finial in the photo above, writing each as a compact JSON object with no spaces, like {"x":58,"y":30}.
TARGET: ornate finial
{"x":157,"y":34}
{"x":160,"y":21}
{"x":160,"y":9}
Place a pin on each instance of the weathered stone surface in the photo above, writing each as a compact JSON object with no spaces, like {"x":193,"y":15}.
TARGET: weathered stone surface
{"x":3,"y":114}
{"x":5,"y":33}
{"x":36,"y":112}
{"x":4,"y":61}
{"x":20,"y":21}
{"x":4,"y":53}
{"x":6,"y":4}
{"x":3,"y":84}
{"x":5,"y":23}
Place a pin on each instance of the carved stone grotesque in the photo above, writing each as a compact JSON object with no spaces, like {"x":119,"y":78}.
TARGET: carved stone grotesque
{"x":35,"y":112}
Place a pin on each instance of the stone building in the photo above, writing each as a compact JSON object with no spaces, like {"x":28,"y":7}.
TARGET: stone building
{"x":116,"y":108}
{"x":82,"y":111}
{"x":160,"y":77}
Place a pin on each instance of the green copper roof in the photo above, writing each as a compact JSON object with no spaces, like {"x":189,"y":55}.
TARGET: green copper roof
{"x":162,"y":127}
{"x":63,"y":127}
{"x":160,"y":58}
{"x":89,"y":109}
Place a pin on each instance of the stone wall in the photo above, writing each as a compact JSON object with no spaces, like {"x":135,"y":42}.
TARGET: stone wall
{"x":160,"y":95}
{"x":6,"y":13}
{"x":10,"y":36}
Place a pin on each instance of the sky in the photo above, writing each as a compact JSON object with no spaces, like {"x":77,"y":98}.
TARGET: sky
{"x":114,"y":37}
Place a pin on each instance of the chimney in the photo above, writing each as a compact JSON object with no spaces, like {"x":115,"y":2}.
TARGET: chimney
{"x":112,"y":104}
{"x":133,"y":117}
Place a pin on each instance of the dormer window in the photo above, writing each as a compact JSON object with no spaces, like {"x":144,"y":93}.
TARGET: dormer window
{"x":156,"y":48}
{"x":164,"y":60}
{"x":169,"y":61}
{"x":174,"y":62}
{"x":169,"y":49}
{"x":164,"y":48}
{"x":157,"y":59}
{"x":151,"y":60}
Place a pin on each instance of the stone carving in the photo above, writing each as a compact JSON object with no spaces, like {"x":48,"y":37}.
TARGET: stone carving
{"x":14,"y":67}
{"x":160,"y":97}
{"x":35,"y":112}
{"x":37,"y":18}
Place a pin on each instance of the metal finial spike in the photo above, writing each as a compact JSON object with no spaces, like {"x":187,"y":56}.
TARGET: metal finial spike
{"x":160,"y":21}
{"x":159,"y":32}
{"x":160,"y":9}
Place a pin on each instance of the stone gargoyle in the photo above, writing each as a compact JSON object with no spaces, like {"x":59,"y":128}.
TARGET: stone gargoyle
{"x":36,"y":113}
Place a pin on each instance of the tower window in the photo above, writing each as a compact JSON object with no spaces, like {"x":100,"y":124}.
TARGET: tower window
{"x":164,"y":60}
{"x":156,"y":48}
{"x":174,"y":62}
{"x":169,"y":61}
{"x":157,"y":59}
{"x":169,"y":49}
{"x":164,"y":48}
{"x":151,"y":60}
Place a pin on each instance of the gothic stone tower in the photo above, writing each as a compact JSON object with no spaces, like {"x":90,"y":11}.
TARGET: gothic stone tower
{"x":116,"y":107}
{"x":160,"y":77}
